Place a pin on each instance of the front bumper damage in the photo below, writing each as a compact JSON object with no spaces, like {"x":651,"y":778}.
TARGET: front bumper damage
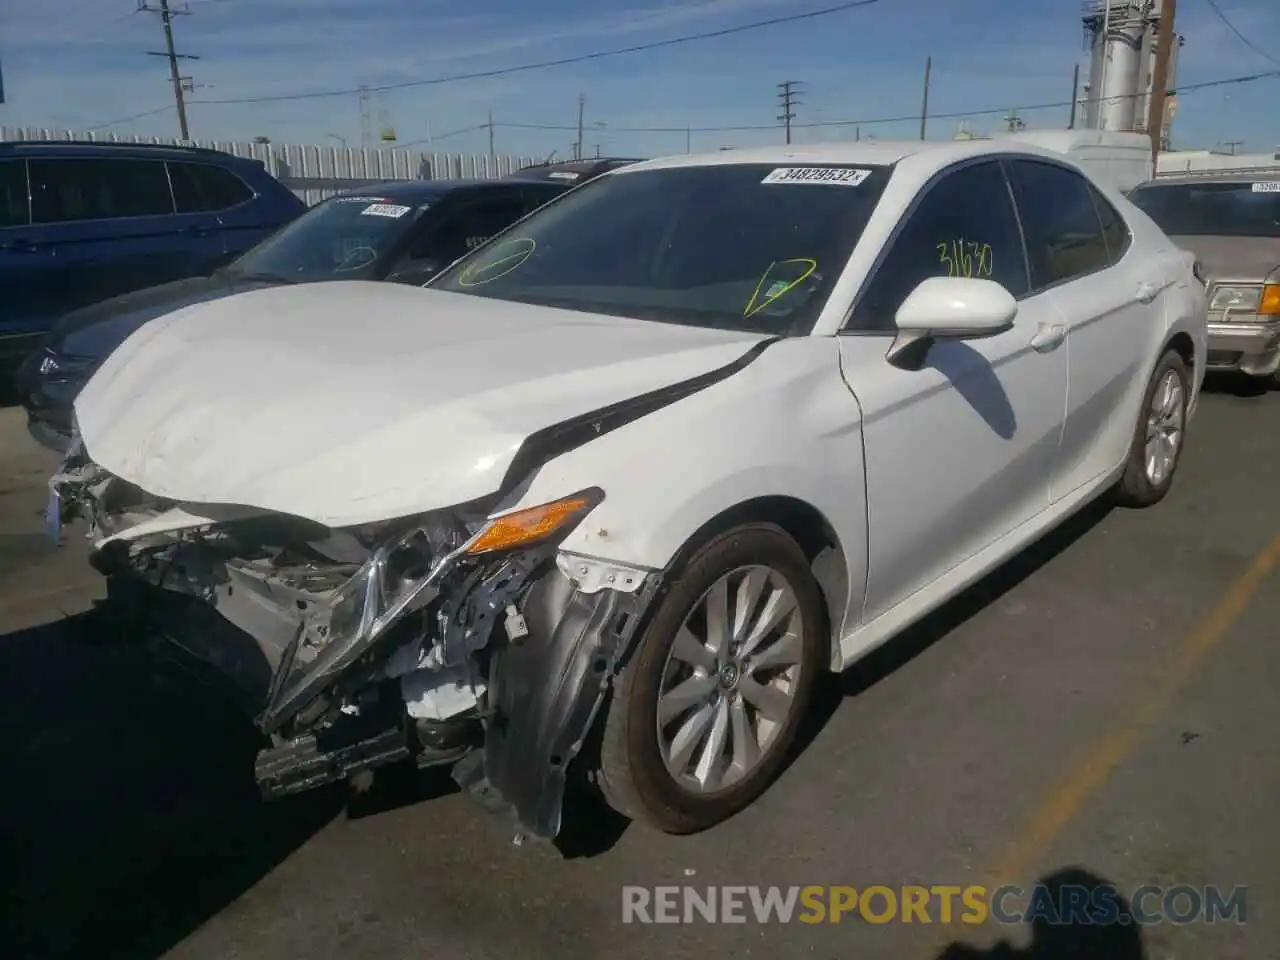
{"x":356,"y":648}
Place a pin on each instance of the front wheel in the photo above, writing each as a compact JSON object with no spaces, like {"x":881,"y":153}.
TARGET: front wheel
{"x":1158,"y":438}
{"x":704,"y":714}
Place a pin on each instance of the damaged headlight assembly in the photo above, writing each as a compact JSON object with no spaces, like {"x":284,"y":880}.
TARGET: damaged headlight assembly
{"x":405,"y":575}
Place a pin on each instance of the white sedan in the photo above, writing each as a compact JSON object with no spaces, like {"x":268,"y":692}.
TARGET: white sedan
{"x":613,"y":490}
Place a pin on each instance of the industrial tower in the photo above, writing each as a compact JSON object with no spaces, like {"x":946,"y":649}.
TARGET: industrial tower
{"x":1121,"y":38}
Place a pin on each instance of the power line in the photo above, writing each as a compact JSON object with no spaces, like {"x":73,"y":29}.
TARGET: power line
{"x":559,"y":62}
{"x":135,"y":116}
{"x":915,"y":117}
{"x":1242,"y":38}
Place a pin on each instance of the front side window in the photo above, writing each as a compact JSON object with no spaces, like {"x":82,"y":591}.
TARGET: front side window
{"x":1065,"y":239}
{"x":64,"y":191}
{"x":1240,"y":209}
{"x":964,"y":226}
{"x":343,"y":238}
{"x":205,"y":188}
{"x":753,"y":247}
{"x":13,"y":193}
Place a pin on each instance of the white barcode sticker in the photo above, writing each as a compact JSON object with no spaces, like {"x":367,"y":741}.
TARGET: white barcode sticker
{"x":1272,"y":186}
{"x":385,"y":210}
{"x":840,"y":176}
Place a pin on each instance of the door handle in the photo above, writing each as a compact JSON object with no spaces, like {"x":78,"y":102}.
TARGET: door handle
{"x":1048,"y":337}
{"x":1147,"y":291}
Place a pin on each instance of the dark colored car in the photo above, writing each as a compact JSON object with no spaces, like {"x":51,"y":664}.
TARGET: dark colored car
{"x":81,"y":222}
{"x":403,"y":232}
{"x":572,"y":172}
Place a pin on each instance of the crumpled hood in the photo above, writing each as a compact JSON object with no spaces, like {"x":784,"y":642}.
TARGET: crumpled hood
{"x":352,"y":402}
{"x":1243,"y":258}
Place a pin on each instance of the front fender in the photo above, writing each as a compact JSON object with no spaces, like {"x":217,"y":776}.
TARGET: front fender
{"x":785,"y":426}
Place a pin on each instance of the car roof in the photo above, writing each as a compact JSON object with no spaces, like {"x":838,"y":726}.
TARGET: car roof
{"x":87,"y":148}
{"x":924,"y":153}
{"x":416,"y":191}
{"x":542,"y":172}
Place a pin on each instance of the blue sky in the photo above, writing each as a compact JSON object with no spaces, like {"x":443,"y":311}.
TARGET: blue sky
{"x":83,"y":62}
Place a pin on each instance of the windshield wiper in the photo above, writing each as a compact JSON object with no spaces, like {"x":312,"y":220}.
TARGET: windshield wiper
{"x":265,"y":278}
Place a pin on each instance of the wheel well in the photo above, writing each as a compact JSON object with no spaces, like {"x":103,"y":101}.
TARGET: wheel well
{"x":810,"y":530}
{"x":1185,"y":348}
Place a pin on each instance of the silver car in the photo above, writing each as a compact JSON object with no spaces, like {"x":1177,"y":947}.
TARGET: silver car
{"x":1231,"y":222}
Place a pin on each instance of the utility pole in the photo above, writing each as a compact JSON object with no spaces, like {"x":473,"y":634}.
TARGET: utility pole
{"x":924,"y":107}
{"x":1231,"y":145}
{"x":1165,"y":39}
{"x":787,"y":97}
{"x":1075,"y":94}
{"x":366,"y":118}
{"x":490,"y":135}
{"x":577,"y":147}
{"x":166,"y":18}
{"x":688,"y":139}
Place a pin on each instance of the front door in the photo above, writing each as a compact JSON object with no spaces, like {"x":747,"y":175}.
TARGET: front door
{"x":960,"y":451}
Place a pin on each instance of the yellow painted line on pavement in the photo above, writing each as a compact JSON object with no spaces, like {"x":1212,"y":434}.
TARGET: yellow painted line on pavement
{"x":1077,"y":786}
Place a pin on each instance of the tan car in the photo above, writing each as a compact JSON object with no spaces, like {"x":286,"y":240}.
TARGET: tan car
{"x":1231,"y":222}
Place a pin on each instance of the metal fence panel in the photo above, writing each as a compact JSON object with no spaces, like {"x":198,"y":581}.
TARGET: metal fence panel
{"x":316,"y":171}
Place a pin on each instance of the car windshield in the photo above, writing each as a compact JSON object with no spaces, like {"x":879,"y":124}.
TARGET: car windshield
{"x":1236,"y":209}
{"x":736,"y":246}
{"x":341,"y":238}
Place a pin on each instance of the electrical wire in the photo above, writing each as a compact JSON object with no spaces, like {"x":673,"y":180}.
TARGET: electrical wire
{"x":913,"y":117}
{"x":559,"y":62}
{"x":135,"y":116}
{"x":1240,"y":36}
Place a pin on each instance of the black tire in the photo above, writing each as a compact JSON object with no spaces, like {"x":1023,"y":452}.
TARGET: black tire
{"x":631,"y":772}
{"x":1135,"y":489}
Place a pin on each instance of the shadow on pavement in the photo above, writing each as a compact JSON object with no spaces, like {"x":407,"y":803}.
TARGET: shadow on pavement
{"x":916,"y":639}
{"x":129,"y":814}
{"x":1061,"y":933}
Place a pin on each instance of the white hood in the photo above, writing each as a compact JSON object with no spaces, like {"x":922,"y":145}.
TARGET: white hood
{"x":354,"y":402}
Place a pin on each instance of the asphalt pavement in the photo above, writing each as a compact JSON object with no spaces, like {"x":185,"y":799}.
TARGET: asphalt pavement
{"x":1100,"y":711}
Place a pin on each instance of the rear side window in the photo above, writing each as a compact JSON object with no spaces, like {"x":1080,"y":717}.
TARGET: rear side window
{"x":13,"y":193}
{"x":1114,"y":229}
{"x":204,"y":188}
{"x":1065,"y":238}
{"x":964,"y":226}
{"x":70,"y":190}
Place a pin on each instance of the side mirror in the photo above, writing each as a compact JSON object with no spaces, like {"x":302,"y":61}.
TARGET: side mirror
{"x":949,"y":308}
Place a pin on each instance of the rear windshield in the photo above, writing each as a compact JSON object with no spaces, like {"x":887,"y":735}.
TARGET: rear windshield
{"x":341,"y":239}
{"x":736,"y":246}
{"x":1213,"y":209}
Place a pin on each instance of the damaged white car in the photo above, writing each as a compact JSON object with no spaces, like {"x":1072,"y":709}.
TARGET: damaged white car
{"x":616,"y":487}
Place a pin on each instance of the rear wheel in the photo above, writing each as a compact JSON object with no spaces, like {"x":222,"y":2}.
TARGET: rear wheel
{"x":1158,"y":438}
{"x":705,"y":713}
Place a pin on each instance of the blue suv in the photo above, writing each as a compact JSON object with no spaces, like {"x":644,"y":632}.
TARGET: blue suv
{"x":81,"y":222}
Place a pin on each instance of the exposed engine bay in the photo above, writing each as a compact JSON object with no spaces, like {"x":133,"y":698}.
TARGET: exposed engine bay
{"x":454,"y":637}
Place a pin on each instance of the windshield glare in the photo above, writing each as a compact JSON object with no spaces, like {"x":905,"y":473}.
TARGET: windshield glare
{"x":1213,"y":209}
{"x":341,"y":239}
{"x":734,"y":246}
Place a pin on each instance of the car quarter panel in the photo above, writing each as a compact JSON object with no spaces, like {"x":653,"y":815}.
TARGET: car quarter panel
{"x":785,"y":425}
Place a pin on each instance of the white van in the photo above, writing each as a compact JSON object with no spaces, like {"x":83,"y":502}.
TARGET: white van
{"x":1123,"y":159}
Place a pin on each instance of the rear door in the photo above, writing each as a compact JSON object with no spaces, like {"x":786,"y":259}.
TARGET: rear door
{"x":111,"y":223}
{"x":1079,"y":249}
{"x":25,"y":287}
{"x":216,"y":214}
